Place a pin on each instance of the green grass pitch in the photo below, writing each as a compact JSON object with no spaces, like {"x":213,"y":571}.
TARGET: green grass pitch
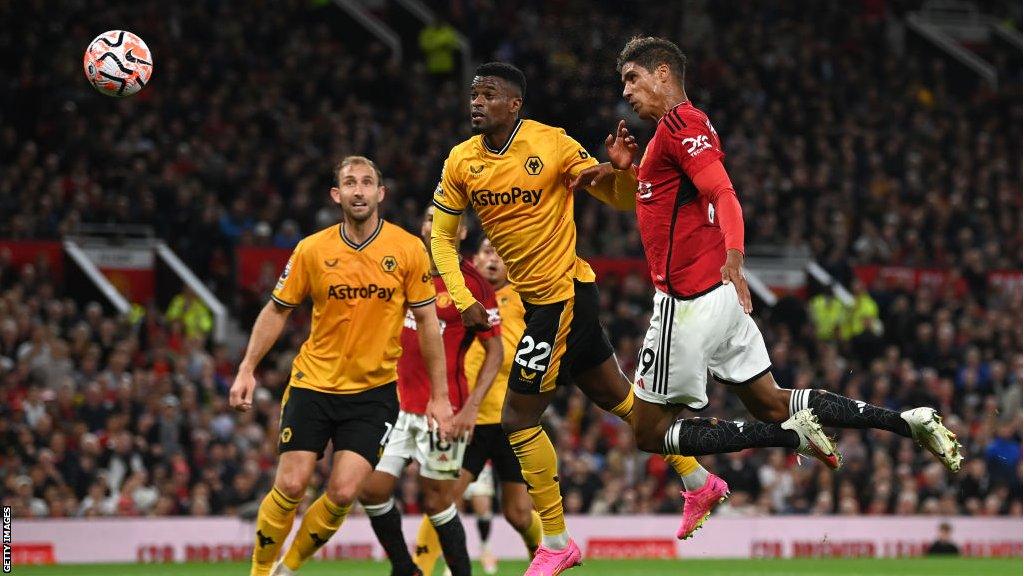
{"x":802,"y":567}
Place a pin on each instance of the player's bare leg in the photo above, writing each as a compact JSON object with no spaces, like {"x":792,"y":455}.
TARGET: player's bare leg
{"x":609,"y":388}
{"x":325,"y":516}
{"x":481,"y":506}
{"x":767,"y":402}
{"x":518,"y":511}
{"x":385,"y":518}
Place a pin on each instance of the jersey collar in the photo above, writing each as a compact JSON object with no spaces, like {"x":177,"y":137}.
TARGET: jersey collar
{"x":508,"y":144}
{"x":358,"y":247}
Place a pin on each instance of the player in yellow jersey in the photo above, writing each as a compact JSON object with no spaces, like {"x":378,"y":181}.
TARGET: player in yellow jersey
{"x":489,"y":443}
{"x":514,"y":174}
{"x":362,"y":275}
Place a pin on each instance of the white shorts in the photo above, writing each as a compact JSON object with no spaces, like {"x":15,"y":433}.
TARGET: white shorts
{"x":412,"y":439}
{"x":689,"y":337}
{"x":483,"y":485}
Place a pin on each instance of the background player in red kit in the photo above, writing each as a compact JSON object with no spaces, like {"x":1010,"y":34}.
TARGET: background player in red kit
{"x":440,"y":461}
{"x":691,"y":225}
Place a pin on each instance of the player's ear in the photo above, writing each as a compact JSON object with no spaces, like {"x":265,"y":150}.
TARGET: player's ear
{"x":336,"y":194}
{"x":381,"y":192}
{"x":663,"y":72}
{"x":517,"y":104}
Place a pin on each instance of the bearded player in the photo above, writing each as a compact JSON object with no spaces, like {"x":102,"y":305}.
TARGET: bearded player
{"x":514,"y":174}
{"x":362,"y":276}
{"x":691,"y":225}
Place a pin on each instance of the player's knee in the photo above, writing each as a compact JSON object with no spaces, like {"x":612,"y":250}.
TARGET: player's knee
{"x":512,"y":421}
{"x":435,"y":502}
{"x":342,"y":493}
{"x":291,"y":484}
{"x":519,"y":515}
{"x":373,"y":493}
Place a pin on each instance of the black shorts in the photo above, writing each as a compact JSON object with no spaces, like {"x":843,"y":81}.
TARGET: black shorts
{"x":560,"y":340}
{"x":358,"y":422}
{"x":490,"y":443}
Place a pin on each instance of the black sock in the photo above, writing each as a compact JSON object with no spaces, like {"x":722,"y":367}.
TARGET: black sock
{"x":837,"y":411}
{"x":695,"y":436}
{"x":453,"y":541}
{"x":483,"y":526}
{"x":388,"y":528}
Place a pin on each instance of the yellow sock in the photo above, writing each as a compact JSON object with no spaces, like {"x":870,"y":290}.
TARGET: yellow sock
{"x":321,"y":521}
{"x":624,"y":409}
{"x":428,"y":547}
{"x":540,"y":470}
{"x":531,"y":536}
{"x":273,"y":523}
{"x":683,"y":465}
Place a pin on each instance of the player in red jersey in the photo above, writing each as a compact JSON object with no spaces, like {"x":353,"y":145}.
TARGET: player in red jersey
{"x":439,"y":461}
{"x":691,"y":226}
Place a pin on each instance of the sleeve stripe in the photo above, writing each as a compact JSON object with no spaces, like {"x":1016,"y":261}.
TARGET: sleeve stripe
{"x":422,"y":302}
{"x":282,"y":302}
{"x":444,"y":208}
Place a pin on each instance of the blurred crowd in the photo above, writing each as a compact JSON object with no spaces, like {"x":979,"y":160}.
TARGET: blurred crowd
{"x":841,"y":135}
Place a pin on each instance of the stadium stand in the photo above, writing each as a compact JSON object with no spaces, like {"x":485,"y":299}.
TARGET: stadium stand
{"x":843,"y":137}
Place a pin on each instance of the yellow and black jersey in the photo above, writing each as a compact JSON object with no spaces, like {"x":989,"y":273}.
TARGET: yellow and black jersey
{"x":520,"y":194}
{"x":513,"y":323}
{"x":360,"y":293}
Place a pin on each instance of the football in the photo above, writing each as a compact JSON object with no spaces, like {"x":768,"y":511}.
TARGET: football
{"x":118,"y":63}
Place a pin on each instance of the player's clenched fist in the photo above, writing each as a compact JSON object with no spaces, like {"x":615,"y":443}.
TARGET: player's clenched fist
{"x":240,"y":395}
{"x":476,"y":318}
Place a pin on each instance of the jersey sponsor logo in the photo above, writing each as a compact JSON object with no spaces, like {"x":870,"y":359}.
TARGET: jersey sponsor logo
{"x":514,"y":196}
{"x":286,"y":435}
{"x":439,"y":191}
{"x":533,"y":165}
{"x":476,"y":169}
{"x":711,"y":213}
{"x":528,"y":376}
{"x":425,"y":278}
{"x":331,"y":263}
{"x":346,"y":292}
{"x":583,"y":154}
{"x":444,"y":300}
{"x":696,"y":144}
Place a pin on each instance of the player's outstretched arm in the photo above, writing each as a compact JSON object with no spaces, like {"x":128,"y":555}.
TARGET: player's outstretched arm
{"x":428,"y":331}
{"x":444,"y":249}
{"x":268,"y":327}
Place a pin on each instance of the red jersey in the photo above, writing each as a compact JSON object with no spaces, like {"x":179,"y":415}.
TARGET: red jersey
{"x":413,"y":378}
{"x":683,"y":243}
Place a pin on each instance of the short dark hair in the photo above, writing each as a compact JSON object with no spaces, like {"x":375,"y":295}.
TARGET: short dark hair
{"x":506,"y":72}
{"x":651,"y":52}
